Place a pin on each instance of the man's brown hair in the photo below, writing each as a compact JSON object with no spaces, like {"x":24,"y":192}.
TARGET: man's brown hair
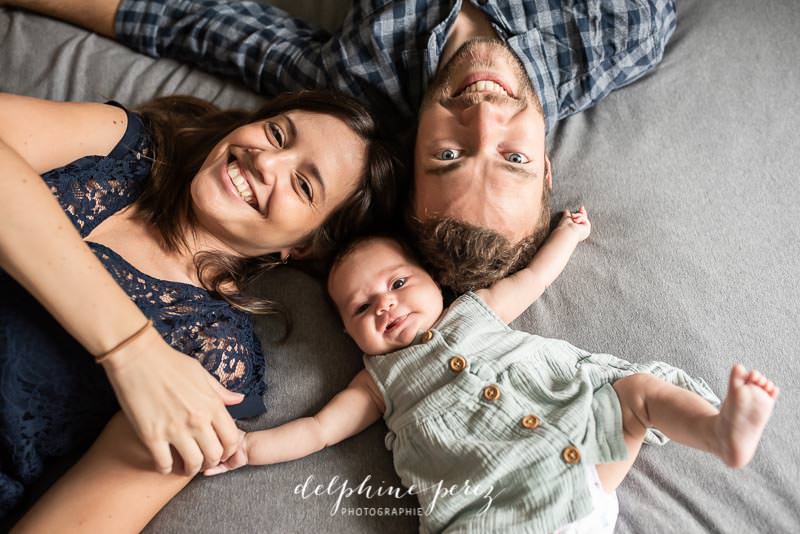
{"x":465,"y":257}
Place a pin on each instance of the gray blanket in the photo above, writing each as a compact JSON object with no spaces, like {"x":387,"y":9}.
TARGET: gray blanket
{"x":690,"y":176}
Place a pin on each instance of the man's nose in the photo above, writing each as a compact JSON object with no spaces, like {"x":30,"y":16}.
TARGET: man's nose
{"x":484,"y":119}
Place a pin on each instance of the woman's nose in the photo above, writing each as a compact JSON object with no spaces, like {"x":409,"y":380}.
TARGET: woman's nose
{"x":271,"y":166}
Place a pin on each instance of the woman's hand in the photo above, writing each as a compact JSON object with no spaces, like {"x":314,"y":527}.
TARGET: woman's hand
{"x":171,"y":400}
{"x":237,"y":459}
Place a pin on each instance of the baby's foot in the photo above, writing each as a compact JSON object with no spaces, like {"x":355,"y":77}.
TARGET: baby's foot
{"x":743,"y":415}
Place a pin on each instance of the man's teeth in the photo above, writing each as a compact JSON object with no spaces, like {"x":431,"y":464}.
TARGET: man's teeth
{"x":485,"y":86}
{"x":241,"y":184}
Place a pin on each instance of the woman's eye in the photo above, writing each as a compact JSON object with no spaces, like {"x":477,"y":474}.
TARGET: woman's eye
{"x":306,"y":188}
{"x":361,"y":309}
{"x":448,"y":154}
{"x":397,"y":284}
{"x":516,"y":157}
{"x":276,"y":133}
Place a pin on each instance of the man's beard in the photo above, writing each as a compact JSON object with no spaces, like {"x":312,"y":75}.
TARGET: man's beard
{"x":474,"y":51}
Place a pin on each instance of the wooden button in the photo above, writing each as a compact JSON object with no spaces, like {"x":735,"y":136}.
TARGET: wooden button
{"x":427,"y":336}
{"x":571,"y":455}
{"x":491,"y":393}
{"x":531,"y":421}
{"x":457,"y":364}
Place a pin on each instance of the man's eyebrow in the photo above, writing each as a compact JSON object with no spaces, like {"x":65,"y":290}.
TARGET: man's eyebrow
{"x":312,"y":168}
{"x":440,"y":170}
{"x":519,"y":170}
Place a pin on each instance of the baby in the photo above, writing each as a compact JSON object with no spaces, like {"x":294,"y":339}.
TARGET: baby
{"x":551,"y":428}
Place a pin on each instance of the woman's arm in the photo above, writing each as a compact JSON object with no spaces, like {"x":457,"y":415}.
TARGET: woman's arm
{"x":348,"y":413}
{"x":170,"y":398}
{"x":511,"y":296}
{"x":111,"y":489}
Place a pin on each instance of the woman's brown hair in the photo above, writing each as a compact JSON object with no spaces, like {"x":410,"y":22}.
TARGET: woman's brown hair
{"x":185,"y":129}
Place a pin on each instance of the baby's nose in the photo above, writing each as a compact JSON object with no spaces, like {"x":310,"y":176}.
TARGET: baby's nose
{"x":386,"y":304}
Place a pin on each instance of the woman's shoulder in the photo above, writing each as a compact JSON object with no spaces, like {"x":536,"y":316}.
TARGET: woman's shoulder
{"x":49,"y":134}
{"x":94,"y":187}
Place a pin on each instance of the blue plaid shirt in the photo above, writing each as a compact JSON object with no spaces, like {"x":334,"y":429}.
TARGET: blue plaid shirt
{"x":575,"y":52}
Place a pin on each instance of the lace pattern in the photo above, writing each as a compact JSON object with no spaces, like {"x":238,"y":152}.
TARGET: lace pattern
{"x":189,"y":318}
{"x":54,"y":399}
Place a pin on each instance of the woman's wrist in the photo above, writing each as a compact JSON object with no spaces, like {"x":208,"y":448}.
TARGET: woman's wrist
{"x":124,"y":343}
{"x":135,"y":347}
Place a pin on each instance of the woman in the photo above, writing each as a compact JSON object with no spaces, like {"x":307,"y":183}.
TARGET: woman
{"x":183,"y":204}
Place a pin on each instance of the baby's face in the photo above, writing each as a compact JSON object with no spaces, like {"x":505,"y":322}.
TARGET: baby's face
{"x":383,"y":297}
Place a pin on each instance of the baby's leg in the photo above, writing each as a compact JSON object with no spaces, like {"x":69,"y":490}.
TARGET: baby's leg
{"x":732,"y":433}
{"x":113,"y":488}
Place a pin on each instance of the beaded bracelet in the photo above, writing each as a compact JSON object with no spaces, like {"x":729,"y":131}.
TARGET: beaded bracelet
{"x":124,"y":343}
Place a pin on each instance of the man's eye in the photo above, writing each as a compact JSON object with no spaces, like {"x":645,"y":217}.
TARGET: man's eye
{"x":448,"y":154}
{"x":516,"y":157}
{"x":397,"y":284}
{"x":276,"y":133}
{"x":361,"y":309}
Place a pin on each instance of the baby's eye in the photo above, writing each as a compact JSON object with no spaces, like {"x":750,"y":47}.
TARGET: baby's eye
{"x":397,"y":284}
{"x":448,"y":154}
{"x":516,"y":157}
{"x":361,"y":309}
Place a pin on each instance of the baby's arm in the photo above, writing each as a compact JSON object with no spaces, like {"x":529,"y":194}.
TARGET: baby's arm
{"x":512,"y":295}
{"x":348,"y":413}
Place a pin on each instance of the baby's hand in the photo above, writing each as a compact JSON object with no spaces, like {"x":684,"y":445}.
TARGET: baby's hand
{"x":237,"y":459}
{"x":577,"y":223}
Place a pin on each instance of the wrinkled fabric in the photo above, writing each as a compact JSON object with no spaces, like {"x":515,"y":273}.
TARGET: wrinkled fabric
{"x":447,"y":433}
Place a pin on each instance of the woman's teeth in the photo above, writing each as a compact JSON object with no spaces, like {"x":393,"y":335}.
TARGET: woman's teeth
{"x":241,"y":184}
{"x":485,"y":86}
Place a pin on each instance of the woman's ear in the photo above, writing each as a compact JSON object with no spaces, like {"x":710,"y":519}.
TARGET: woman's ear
{"x":299,"y":252}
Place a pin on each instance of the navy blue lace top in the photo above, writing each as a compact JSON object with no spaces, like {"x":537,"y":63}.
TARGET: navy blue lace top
{"x":54,"y":399}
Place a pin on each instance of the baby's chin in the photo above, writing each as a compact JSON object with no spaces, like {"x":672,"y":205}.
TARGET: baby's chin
{"x":374,"y":348}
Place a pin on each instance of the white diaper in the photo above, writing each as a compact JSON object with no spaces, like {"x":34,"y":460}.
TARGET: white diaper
{"x":605,"y":509}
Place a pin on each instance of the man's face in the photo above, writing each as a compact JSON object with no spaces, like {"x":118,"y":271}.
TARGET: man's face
{"x":480,"y":148}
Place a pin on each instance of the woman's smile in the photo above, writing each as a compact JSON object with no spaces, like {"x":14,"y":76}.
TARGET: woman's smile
{"x":241,"y":184}
{"x":237,"y":182}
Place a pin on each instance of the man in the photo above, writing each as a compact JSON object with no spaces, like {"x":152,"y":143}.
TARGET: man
{"x":485,"y":79}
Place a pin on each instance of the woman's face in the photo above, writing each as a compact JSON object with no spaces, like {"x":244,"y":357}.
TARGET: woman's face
{"x":268,"y":184}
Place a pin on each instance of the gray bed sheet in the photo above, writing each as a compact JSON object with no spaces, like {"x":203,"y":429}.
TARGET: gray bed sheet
{"x":690,"y":176}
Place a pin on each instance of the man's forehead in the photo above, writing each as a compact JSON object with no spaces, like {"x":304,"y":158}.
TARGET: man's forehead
{"x":509,"y":208}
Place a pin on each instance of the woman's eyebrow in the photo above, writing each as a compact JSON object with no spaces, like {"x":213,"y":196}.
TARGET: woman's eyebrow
{"x":311,"y":168}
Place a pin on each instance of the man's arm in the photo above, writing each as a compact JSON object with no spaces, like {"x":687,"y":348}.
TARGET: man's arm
{"x":261,"y":45}
{"x":512,"y":295}
{"x":95,"y":15}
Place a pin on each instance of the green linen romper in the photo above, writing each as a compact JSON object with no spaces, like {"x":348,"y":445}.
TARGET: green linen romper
{"x":489,"y":425}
